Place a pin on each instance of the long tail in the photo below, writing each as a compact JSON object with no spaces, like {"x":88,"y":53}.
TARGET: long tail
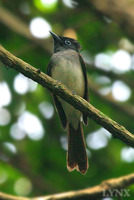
{"x":76,"y":155}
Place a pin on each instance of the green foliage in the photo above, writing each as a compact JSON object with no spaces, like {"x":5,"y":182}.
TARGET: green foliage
{"x":43,"y":160}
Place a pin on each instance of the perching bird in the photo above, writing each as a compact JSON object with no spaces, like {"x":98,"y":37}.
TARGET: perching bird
{"x":67,"y":66}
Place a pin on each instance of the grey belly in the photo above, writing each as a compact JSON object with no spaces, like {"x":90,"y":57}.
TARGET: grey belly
{"x":71,"y":76}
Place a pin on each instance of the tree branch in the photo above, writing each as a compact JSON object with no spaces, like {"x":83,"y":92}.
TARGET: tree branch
{"x":106,"y":188}
{"x":62,"y":91}
{"x":123,"y":108}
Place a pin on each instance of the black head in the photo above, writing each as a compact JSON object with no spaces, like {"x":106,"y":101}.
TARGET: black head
{"x":65,"y":43}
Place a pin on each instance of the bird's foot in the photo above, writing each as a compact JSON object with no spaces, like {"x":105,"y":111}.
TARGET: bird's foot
{"x":74,"y":92}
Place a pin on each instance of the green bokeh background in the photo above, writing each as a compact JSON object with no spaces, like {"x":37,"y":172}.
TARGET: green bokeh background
{"x":42,"y":163}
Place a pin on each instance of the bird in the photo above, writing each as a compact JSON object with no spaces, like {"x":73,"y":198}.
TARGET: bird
{"x":67,"y":66}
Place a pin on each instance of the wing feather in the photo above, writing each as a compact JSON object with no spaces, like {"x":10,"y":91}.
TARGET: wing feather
{"x":86,"y":94}
{"x":58,"y":105}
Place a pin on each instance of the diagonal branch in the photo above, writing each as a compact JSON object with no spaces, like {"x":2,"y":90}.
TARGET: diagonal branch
{"x":111,"y":187}
{"x":96,"y":192}
{"x":124,"y":109}
{"x":19,"y":26}
{"x":57,"y":88}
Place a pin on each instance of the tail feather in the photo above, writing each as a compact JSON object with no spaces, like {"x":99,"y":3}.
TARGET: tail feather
{"x":76,"y":155}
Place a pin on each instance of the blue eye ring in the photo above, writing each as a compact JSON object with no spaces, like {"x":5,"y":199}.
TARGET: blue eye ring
{"x":67,"y":42}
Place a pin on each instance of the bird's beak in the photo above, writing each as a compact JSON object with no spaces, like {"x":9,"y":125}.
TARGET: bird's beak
{"x":55,"y":37}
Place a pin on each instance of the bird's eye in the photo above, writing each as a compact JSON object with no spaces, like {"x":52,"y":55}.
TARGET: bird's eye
{"x":68,"y":42}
